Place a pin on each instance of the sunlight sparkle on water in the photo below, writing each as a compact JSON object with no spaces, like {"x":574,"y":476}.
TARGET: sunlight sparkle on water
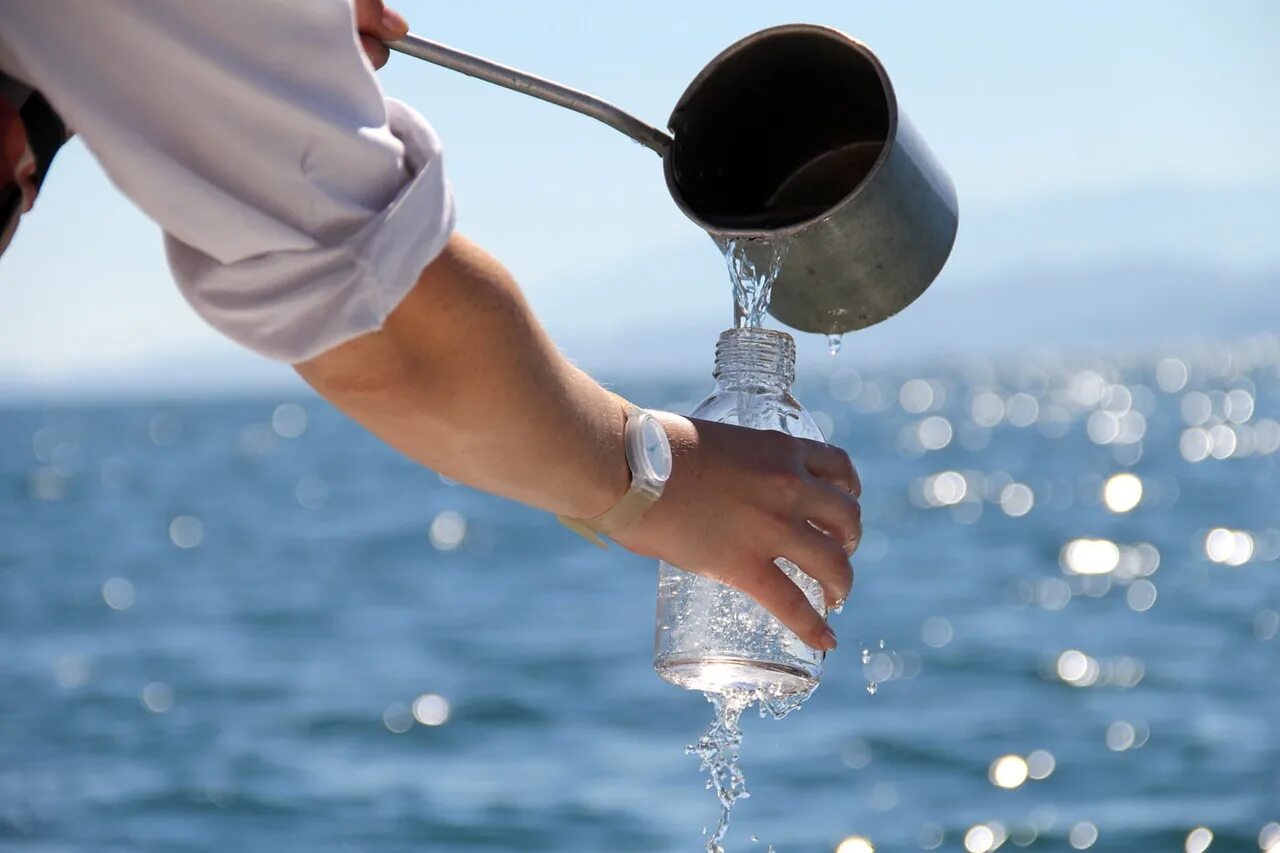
{"x":289,"y":420}
{"x":1040,"y":764}
{"x":1122,"y":493}
{"x":118,"y":593}
{"x":397,"y":718}
{"x":431,"y":709}
{"x":979,"y":839}
{"x":1008,"y":771}
{"x":1090,"y":556}
{"x":186,"y":531}
{"x":930,"y":837}
{"x":1229,"y":547}
{"x":1199,"y":839}
{"x":855,"y":844}
{"x":1083,"y":835}
{"x":1017,"y":499}
{"x":448,"y":529}
{"x":157,"y":697}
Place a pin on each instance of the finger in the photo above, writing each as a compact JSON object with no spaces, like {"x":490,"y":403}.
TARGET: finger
{"x":824,"y":559}
{"x":375,"y":50}
{"x":835,"y":512}
{"x":832,"y":463}
{"x":374,"y":19}
{"x":778,"y":594}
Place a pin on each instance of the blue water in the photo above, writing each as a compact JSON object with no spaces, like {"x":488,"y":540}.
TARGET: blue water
{"x":247,"y":691}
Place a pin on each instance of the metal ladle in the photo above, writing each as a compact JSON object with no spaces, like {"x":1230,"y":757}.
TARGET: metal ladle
{"x":792,"y":134}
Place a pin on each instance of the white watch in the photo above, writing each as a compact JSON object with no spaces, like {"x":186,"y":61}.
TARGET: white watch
{"x":649,"y":457}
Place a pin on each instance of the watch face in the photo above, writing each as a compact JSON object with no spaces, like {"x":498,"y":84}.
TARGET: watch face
{"x":655,"y":448}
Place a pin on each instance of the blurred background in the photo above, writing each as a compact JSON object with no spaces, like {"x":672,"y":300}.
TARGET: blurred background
{"x":230,"y":617}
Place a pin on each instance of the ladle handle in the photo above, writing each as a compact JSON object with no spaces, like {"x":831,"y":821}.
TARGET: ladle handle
{"x":528,"y":84}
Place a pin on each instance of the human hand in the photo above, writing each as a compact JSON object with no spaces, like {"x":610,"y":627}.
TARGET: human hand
{"x":376,"y":25}
{"x":739,"y":498}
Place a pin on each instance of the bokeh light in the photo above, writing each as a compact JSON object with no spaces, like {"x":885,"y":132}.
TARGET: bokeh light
{"x":157,"y":697}
{"x":431,"y":709}
{"x":1172,"y":375}
{"x":448,"y":529}
{"x":186,"y":531}
{"x":1229,"y":547}
{"x":1083,"y":835}
{"x":289,"y":420}
{"x":1040,"y":764}
{"x":1008,"y":771}
{"x":1017,"y":499}
{"x":1199,"y":839}
{"x":930,"y":837}
{"x":936,"y":632}
{"x":397,"y":718}
{"x":1122,"y":492}
{"x":118,"y":593}
{"x":855,"y":844}
{"x":979,"y":839}
{"x":1090,"y":556}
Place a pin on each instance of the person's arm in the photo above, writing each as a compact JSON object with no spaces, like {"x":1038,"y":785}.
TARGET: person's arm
{"x":462,"y":379}
{"x":307,"y":217}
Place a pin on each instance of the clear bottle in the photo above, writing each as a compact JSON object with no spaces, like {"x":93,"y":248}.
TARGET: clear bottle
{"x":709,"y":636}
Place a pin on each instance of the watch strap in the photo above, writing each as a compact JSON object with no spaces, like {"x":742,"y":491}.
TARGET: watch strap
{"x":629,"y":509}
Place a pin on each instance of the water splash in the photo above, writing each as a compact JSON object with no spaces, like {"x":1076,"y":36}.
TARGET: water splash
{"x":754,"y":265}
{"x":718,"y":747}
{"x":833,"y":343}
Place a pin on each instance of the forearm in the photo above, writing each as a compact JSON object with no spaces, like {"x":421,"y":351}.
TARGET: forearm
{"x":462,"y":379}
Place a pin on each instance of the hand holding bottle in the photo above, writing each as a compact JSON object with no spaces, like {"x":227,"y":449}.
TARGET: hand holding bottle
{"x":739,"y":498}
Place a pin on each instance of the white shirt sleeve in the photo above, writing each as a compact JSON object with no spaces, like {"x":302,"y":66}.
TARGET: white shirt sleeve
{"x":298,"y":204}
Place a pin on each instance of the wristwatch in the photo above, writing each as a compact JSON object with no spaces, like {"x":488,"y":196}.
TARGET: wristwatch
{"x":649,"y":457}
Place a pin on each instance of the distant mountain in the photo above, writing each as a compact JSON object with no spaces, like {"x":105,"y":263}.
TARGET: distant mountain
{"x":1130,"y":306}
{"x":1132,"y":269}
{"x":1231,"y":227}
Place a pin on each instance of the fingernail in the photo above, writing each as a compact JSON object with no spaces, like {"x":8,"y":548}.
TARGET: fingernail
{"x":393,"y":23}
{"x":828,"y":640}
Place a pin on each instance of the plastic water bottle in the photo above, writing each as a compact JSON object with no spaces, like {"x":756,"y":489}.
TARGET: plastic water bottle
{"x":710,"y":636}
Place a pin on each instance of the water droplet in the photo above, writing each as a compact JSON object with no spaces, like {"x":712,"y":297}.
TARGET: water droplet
{"x":882,"y":644}
{"x":872,"y":687}
{"x":866,"y":656}
{"x":833,"y":343}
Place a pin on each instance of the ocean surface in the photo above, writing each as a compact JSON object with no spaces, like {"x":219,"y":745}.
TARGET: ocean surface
{"x":246,"y":625}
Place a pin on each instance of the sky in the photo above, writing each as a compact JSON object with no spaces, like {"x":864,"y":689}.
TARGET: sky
{"x":1024,"y":104}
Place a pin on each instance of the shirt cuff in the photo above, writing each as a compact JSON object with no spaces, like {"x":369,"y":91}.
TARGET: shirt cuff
{"x":294,"y":305}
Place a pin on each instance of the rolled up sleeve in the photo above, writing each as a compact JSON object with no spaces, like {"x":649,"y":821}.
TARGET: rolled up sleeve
{"x":298,"y":204}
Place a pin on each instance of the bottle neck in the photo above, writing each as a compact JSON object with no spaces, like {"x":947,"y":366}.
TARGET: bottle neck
{"x":757,"y":358}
